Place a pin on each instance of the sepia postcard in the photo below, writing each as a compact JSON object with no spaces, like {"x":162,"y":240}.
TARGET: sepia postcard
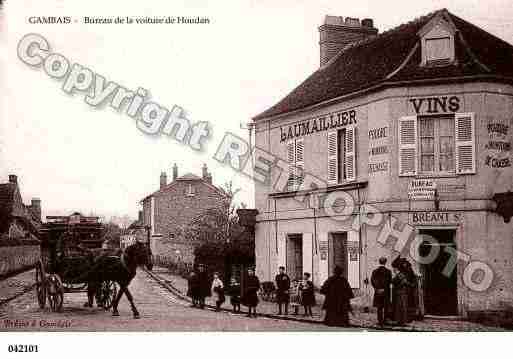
{"x":255,"y":166}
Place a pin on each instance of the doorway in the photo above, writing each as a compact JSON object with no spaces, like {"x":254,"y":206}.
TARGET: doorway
{"x":295,"y":256}
{"x":337,"y":252}
{"x":440,"y":291}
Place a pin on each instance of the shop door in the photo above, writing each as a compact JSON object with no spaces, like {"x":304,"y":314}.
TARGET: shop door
{"x":338,"y":252}
{"x":295,"y":256}
{"x":440,"y":291}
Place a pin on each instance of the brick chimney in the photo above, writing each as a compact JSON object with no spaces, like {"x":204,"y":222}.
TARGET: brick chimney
{"x":140,"y":217}
{"x":13,"y":179}
{"x":175,"y":172}
{"x":205,"y":174}
{"x":163,"y":180}
{"x":337,"y":32}
{"x":35,"y":207}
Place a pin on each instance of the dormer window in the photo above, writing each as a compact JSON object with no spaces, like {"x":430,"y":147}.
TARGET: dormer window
{"x":438,"y":51}
{"x":437,"y":40}
{"x":190,"y":190}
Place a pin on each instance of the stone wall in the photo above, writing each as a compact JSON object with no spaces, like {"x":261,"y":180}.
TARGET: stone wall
{"x":14,"y":258}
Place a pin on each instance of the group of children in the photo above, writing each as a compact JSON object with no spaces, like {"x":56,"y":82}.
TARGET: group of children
{"x":296,"y":293}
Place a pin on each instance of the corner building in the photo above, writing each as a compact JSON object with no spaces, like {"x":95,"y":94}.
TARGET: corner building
{"x":416,"y":122}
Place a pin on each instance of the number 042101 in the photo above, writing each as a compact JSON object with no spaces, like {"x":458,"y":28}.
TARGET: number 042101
{"x":22,"y":348}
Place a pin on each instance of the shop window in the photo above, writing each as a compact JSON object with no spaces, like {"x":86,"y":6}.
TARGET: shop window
{"x":296,"y":162}
{"x":437,"y":145}
{"x":342,"y":155}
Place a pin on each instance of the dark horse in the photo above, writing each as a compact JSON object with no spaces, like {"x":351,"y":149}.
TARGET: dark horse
{"x":121,"y":270}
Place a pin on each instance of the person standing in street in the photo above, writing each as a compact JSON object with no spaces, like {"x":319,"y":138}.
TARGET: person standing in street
{"x":337,"y":302}
{"x":400,"y":293}
{"x":203,"y":286}
{"x":307,"y":295}
{"x":282,"y":290}
{"x":218,"y":290}
{"x":193,"y":288}
{"x":250,"y":296}
{"x":381,"y":279}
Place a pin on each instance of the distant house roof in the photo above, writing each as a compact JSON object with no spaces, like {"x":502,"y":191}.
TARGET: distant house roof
{"x":394,"y":58}
{"x":187,"y":177}
{"x":6,"y":201}
{"x":27,"y":217}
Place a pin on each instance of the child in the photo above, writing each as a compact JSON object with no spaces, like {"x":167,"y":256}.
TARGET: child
{"x":235,"y":295}
{"x":307,"y":294}
{"x":218,"y":290}
{"x":294,"y":296}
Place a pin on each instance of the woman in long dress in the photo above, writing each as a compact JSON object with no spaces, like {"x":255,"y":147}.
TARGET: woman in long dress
{"x":337,"y":303}
{"x":250,"y":296}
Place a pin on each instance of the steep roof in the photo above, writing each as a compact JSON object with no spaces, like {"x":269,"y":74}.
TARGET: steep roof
{"x":187,"y":177}
{"x":6,"y":200}
{"x":393,"y":57}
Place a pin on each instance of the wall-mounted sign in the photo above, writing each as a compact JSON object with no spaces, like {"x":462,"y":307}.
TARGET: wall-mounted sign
{"x":422,"y":189}
{"x":323,"y":123}
{"x":378,"y":150}
{"x":378,"y":167}
{"x":428,"y":217}
{"x":377,"y":133}
{"x":438,"y":104}
{"x":353,"y":248}
{"x":323,"y":250}
{"x":498,"y":146}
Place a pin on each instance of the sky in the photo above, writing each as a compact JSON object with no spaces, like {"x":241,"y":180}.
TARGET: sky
{"x":95,"y":160}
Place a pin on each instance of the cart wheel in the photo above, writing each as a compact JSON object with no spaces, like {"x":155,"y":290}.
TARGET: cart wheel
{"x":108,"y":291}
{"x":40,"y":285}
{"x":55,"y":293}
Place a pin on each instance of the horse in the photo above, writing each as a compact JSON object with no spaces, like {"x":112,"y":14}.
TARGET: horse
{"x":121,"y":270}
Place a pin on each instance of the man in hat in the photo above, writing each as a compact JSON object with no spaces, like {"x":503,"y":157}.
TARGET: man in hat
{"x":282,"y":292}
{"x":381,"y":279}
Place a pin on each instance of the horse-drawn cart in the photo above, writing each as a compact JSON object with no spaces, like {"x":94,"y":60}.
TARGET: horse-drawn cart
{"x":69,"y":247}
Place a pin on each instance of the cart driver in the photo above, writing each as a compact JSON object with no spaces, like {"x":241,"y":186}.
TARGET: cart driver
{"x":69,"y":246}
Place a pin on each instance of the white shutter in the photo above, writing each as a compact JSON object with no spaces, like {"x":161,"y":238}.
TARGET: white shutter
{"x":407,"y":146}
{"x":465,"y":142}
{"x":282,"y":250}
{"x":300,"y":162}
{"x":291,"y":162}
{"x":307,"y":253}
{"x":332,"y":157}
{"x":350,"y":154}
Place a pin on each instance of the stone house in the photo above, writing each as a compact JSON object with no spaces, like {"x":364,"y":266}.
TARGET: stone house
{"x":399,"y":135}
{"x":17,"y":220}
{"x":169,"y":209}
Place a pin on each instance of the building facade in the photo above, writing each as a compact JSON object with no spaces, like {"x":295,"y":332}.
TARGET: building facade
{"x":17,"y":220}
{"x":398,"y":134}
{"x":170,"y":209}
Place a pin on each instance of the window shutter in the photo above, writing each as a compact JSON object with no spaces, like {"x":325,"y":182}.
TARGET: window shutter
{"x":408,"y":146}
{"x":332,"y":158}
{"x":465,"y":143}
{"x":290,"y":160}
{"x":350,"y":154}
{"x":300,"y":162}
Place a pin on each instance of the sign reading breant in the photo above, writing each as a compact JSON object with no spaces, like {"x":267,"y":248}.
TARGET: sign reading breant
{"x":428,"y":217}
{"x":422,"y":189}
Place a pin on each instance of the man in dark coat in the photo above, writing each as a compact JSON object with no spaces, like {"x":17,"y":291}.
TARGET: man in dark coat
{"x":337,"y":303}
{"x":204,"y":289}
{"x":193,"y":288}
{"x":381,"y":279}
{"x":282,"y":290}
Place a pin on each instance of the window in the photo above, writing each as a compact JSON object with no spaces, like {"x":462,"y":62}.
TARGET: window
{"x":296,"y":161}
{"x":438,"y":51}
{"x":190,"y":190}
{"x":342,"y":155}
{"x":437,"y":145}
